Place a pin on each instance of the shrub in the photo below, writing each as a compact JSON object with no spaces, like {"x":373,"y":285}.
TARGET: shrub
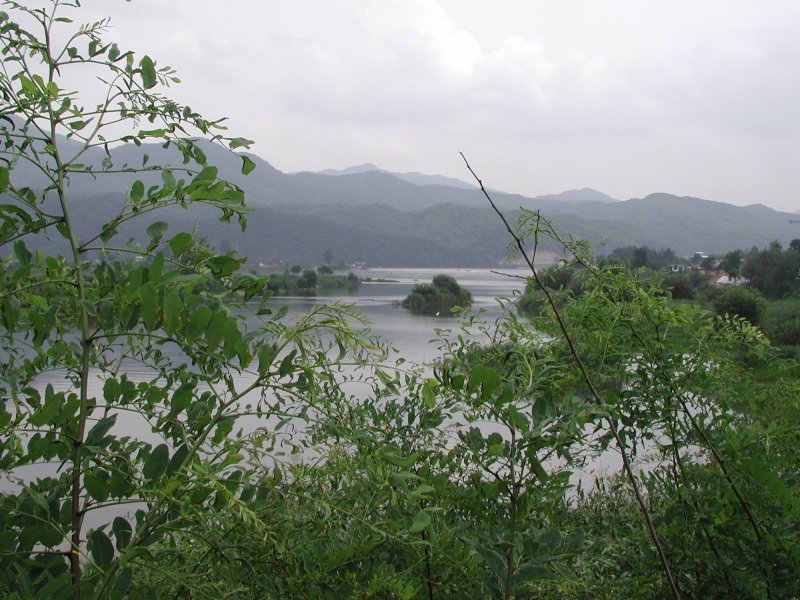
{"x":781,"y":322}
{"x":741,"y":301}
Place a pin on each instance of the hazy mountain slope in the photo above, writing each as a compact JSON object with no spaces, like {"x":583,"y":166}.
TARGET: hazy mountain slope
{"x":375,"y":216}
{"x":687,"y":224}
{"x":581,"y":195}
{"x":411,"y":177}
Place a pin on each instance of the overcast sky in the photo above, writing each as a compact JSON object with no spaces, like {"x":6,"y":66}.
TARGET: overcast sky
{"x":691,"y":97}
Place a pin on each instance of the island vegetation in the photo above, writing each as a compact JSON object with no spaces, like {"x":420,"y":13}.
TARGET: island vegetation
{"x":438,"y":297}
{"x":235,"y":461}
{"x":299,"y":281}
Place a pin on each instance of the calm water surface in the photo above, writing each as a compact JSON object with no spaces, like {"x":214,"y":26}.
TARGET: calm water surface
{"x":414,"y":335}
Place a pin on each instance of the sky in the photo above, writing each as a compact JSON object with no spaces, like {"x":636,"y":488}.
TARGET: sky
{"x":690,"y":97}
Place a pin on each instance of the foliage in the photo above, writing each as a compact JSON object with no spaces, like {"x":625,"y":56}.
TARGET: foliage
{"x":565,"y":280}
{"x":741,"y":301}
{"x":441,"y":295}
{"x":310,"y":283}
{"x":111,"y":338}
{"x":308,"y":280}
{"x":161,"y":440}
{"x":731,"y":263}
{"x":773,"y":271}
{"x":781,"y":322}
{"x":641,"y":256}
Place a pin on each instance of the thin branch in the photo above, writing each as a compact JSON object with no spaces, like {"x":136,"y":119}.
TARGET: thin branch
{"x":587,"y":379}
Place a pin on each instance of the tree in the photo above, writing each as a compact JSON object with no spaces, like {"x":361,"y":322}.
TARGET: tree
{"x":168,"y":305}
{"x":308,"y":280}
{"x":732,"y":263}
{"x":639,"y":258}
{"x":295,"y":269}
{"x":773,"y":271}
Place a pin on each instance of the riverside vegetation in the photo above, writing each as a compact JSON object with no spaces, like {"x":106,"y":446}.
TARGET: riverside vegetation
{"x":460,"y":482}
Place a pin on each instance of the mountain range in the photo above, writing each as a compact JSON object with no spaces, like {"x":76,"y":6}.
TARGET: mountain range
{"x":368,"y":214}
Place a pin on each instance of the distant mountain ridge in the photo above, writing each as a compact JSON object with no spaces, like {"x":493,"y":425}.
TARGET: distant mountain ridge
{"x":411,"y":177}
{"x":372,"y":215}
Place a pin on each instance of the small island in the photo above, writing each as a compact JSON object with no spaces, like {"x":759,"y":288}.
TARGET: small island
{"x":442,"y":294}
{"x":299,"y":281}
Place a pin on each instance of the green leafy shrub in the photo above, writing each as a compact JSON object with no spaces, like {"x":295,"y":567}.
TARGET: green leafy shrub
{"x":781,"y":322}
{"x":741,"y":301}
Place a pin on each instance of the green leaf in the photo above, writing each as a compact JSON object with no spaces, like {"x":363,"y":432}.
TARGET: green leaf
{"x":96,"y":435}
{"x":122,"y":583}
{"x":517,"y":418}
{"x":424,"y":490}
{"x":421,"y":520}
{"x":173,"y":307}
{"x":391,"y":456}
{"x":156,"y":464}
{"x":428,"y":393}
{"x":180,"y":242}
{"x":495,"y":449}
{"x":148,"y":71}
{"x":4,"y":179}
{"x":266,"y":354}
{"x":198,"y":155}
{"x":536,"y":466}
{"x":112,"y":390}
{"x":177,"y":459}
{"x":122,"y":532}
{"x":157,"y":230}
{"x":198,"y":321}
{"x":96,"y":483}
{"x":247,"y":165}
{"x":182,"y":398}
{"x":287,"y":363}
{"x":102,"y":548}
{"x":551,"y":539}
{"x":208,"y":174}
{"x":156,"y":268}
{"x":239,"y":142}
{"x":137,"y":191}
{"x":496,"y":562}
{"x":21,"y":252}
{"x":532,"y":572}
{"x":215,"y":329}
{"x":487,"y":379}
{"x":149,"y":296}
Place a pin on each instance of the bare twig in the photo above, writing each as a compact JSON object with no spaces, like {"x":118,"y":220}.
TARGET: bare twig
{"x":509,"y":275}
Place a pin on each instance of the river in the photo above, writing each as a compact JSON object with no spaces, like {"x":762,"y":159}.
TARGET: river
{"x":413,"y":335}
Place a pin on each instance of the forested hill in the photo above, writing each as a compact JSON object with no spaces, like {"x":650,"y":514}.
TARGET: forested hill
{"x":384,"y":219}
